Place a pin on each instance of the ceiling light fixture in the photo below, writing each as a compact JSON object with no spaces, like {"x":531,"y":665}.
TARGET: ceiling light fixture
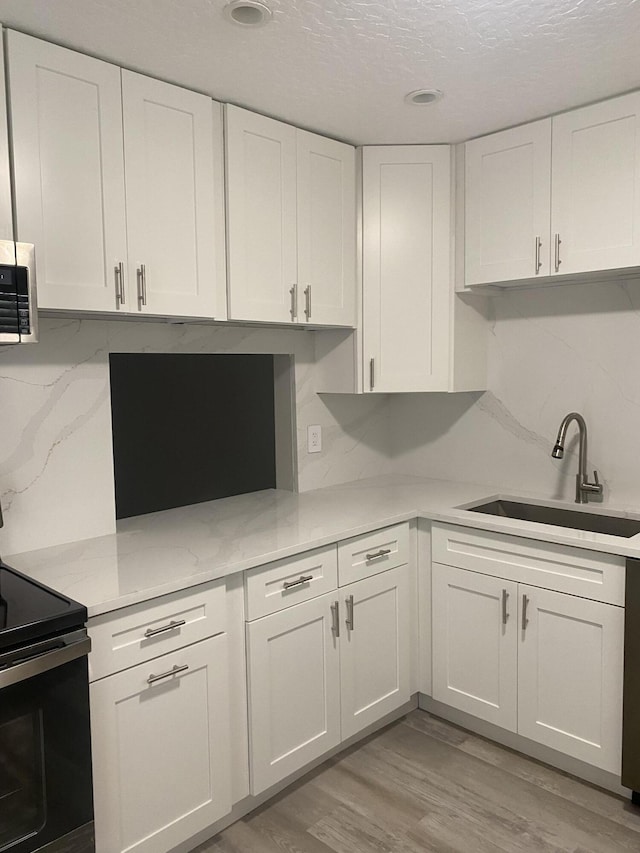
{"x":421,"y":97}
{"x":247,"y":13}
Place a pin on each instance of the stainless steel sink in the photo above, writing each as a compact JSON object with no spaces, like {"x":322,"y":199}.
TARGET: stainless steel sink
{"x":595,"y":523}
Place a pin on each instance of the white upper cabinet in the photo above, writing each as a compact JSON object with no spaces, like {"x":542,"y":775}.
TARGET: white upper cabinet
{"x":407,"y":286}
{"x":261,"y":209}
{"x":508,"y":192}
{"x":66,"y":124}
{"x":595,"y":210}
{"x":175,"y":229}
{"x":6,"y":210}
{"x":558,"y":197}
{"x":326,"y":230}
{"x":291,"y":223}
{"x":156,"y":247}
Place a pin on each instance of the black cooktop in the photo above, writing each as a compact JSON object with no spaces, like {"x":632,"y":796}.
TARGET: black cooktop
{"x":31,"y":611}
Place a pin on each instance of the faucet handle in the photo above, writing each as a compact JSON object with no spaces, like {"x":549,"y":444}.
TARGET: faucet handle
{"x":597,"y":485}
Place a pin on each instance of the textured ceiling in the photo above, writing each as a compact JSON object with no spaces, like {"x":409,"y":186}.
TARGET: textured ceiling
{"x":342,"y":67}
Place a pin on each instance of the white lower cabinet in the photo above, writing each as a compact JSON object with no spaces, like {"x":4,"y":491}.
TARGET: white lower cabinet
{"x":375,"y":657}
{"x":570,"y":675}
{"x":323,"y":670}
{"x":161,"y":749}
{"x":294,"y":689}
{"x":548,"y":667}
{"x":475,"y":652}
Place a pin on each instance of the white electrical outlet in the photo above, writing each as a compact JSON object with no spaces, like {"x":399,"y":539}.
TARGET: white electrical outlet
{"x":314,"y":438}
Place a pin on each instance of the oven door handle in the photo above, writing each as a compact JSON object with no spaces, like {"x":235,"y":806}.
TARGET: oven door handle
{"x":25,"y":669}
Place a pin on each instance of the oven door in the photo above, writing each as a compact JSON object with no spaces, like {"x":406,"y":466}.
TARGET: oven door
{"x":45,"y":744}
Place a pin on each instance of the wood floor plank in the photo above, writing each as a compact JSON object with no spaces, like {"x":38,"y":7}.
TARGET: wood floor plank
{"x":570,"y":823}
{"x":425,"y":786}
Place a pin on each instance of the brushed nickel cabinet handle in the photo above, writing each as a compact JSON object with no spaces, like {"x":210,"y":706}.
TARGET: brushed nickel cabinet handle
{"x":381,"y":553}
{"x":293,"y":290}
{"x":151,"y":632}
{"x":335,"y":618}
{"x":372,"y":372}
{"x":525,"y":621}
{"x":173,"y":671}
{"x":119,"y":277}
{"x":302,"y":579}
{"x":557,"y":243}
{"x":505,"y":614}
{"x":141,"y":279}
{"x":538,"y":248}
{"x":349,"y":620}
{"x":307,"y":298}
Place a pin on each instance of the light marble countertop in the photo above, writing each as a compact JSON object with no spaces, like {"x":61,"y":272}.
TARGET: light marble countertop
{"x":166,"y":551}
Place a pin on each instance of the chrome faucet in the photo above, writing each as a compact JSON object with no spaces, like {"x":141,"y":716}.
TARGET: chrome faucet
{"x":583,"y":487}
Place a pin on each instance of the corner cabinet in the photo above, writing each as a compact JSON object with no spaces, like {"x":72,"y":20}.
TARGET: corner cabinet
{"x":291,"y":223}
{"x":418,"y":335}
{"x":126,"y":215}
{"x":556,"y":198}
{"x":406,"y":209}
{"x":543,"y":662}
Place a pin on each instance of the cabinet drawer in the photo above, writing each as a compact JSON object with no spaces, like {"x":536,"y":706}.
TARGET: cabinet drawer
{"x":371,"y":553}
{"x":144,"y":631}
{"x":576,"y":571}
{"x":286,"y":582}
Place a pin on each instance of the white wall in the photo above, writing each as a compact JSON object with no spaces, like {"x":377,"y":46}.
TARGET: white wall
{"x":56,"y":474}
{"x":551,"y":351}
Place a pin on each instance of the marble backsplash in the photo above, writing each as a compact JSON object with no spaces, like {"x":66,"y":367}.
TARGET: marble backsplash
{"x":551,"y":351}
{"x":56,"y":467}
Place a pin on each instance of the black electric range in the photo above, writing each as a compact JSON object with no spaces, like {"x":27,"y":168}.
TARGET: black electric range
{"x":31,"y":611}
{"x":46,"y":797}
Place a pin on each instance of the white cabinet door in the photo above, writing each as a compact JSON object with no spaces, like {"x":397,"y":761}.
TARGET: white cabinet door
{"x":595,"y":209}
{"x":294,"y":689}
{"x":161,"y":768}
{"x":406,"y":273}
{"x":6,"y":210}
{"x":261,"y":223}
{"x":507,"y":204}
{"x":375,"y":657}
{"x":570,"y":675}
{"x":66,"y":126}
{"x":326,"y":230}
{"x":475,"y":664}
{"x":173,"y":153}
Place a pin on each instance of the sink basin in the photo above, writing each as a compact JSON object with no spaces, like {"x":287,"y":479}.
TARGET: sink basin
{"x":610,"y":524}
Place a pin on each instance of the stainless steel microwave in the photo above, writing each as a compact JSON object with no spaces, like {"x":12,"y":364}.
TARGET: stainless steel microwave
{"x":18,"y":305}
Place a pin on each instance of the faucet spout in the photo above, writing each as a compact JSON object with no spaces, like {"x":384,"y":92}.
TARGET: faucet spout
{"x":583,"y":487}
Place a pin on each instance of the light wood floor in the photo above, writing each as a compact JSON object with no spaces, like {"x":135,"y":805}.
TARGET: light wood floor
{"x":424,"y":785}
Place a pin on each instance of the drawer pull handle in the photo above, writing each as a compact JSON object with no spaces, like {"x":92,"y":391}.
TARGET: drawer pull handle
{"x":381,"y":553}
{"x":173,"y":671}
{"x":301,"y":579}
{"x":505,"y":613}
{"x":335,"y":618}
{"x":525,"y":621}
{"x":151,"y":632}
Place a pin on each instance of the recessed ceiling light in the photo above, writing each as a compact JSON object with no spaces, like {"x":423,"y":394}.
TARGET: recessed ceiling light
{"x":423,"y":96}
{"x":247,"y":13}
